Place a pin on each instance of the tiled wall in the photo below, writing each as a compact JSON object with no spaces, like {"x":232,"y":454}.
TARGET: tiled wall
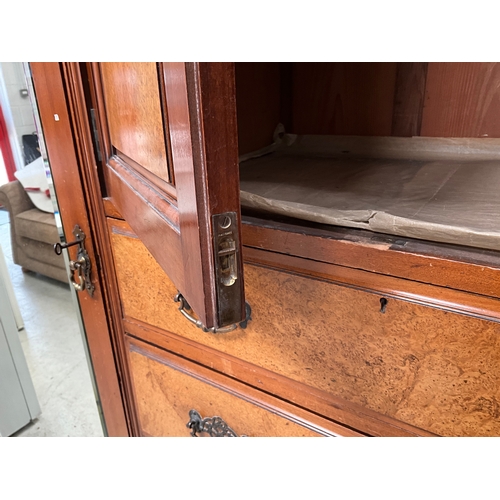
{"x":20,"y":107}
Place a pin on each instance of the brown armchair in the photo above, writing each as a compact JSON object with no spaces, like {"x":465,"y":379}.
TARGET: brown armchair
{"x":33,"y":234}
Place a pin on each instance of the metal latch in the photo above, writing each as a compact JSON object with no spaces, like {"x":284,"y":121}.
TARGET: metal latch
{"x":81,"y":266}
{"x":228,"y":268}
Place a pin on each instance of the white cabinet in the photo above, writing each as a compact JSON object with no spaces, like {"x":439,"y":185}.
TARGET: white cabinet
{"x":18,"y":402}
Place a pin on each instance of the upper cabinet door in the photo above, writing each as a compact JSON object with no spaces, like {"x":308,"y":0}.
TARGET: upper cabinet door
{"x":169,"y":154}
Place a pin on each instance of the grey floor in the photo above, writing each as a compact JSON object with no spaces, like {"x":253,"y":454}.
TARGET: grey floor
{"x":54,"y":351}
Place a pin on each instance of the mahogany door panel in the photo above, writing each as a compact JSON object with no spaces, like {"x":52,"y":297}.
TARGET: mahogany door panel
{"x":134,"y":111}
{"x":157,"y":162}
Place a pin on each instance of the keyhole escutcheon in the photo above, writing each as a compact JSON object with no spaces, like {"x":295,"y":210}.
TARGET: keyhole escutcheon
{"x":383,"y":305}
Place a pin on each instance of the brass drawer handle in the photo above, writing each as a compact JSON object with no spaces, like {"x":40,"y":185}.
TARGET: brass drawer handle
{"x":214,"y":426}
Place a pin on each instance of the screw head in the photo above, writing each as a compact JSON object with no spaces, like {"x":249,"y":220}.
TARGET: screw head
{"x":225,"y":222}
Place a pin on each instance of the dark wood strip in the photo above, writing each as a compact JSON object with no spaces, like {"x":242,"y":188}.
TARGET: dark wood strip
{"x":409,"y":99}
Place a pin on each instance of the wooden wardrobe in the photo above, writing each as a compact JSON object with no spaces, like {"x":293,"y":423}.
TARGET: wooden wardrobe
{"x":219,"y":319}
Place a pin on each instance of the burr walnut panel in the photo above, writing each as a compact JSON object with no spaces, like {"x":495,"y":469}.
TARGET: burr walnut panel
{"x":433,"y":369}
{"x":168,"y":389}
{"x":134,"y":111}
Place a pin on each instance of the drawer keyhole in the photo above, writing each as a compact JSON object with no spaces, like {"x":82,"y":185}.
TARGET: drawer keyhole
{"x":383,"y":305}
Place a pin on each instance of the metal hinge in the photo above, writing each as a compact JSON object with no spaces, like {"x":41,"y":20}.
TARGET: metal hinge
{"x":95,"y":134}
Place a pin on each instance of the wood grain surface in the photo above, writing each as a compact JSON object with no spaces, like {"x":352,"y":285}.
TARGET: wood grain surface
{"x":168,"y":388}
{"x":134,"y":113}
{"x":211,"y":97}
{"x":258,"y":104}
{"x":409,"y":99}
{"x":462,"y":100}
{"x":430,"y":368}
{"x":344,"y":418}
{"x":343,"y":98}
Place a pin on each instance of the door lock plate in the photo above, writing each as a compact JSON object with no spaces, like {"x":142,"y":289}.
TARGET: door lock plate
{"x":81,"y":266}
{"x":228,"y":268}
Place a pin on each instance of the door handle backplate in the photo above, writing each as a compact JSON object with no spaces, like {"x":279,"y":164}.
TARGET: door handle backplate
{"x":81,"y":266}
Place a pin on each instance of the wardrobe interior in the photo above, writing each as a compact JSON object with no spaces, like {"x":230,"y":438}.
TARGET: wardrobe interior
{"x":405,"y":149}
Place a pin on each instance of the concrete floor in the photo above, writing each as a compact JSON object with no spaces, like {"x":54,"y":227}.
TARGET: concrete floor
{"x":54,"y":351}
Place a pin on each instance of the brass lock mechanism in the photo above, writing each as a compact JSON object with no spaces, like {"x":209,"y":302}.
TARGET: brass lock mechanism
{"x":80,"y":267}
{"x":228,"y":268}
{"x":225,"y":243}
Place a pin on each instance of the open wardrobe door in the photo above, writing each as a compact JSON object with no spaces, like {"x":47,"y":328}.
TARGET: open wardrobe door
{"x":136,"y":142}
{"x":172,"y":173}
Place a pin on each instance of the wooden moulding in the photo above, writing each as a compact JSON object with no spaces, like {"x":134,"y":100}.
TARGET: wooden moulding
{"x":77,"y":74}
{"x":157,"y":231}
{"x":134,"y":112}
{"x":419,"y":293}
{"x":460,"y":269}
{"x":170,"y":387}
{"x":110,"y":209}
{"x":67,"y":149}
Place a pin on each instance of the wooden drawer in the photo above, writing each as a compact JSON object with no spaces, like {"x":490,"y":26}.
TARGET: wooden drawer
{"x":168,"y":388}
{"x":430,"y":368}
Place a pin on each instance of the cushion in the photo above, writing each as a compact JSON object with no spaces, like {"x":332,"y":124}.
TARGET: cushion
{"x":34,"y":181}
{"x":37,"y":225}
{"x":40,"y":252}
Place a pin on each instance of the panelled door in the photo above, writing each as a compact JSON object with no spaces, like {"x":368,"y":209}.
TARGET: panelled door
{"x":172,"y":173}
{"x":158,"y":141}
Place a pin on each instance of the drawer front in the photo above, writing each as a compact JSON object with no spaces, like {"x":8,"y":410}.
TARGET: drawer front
{"x":432,"y":369}
{"x":168,"y":389}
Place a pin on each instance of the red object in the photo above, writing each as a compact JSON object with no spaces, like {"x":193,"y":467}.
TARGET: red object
{"x":8,"y":157}
{"x":36,"y":190}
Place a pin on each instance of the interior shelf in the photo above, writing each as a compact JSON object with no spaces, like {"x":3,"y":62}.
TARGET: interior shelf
{"x":441,"y":190}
